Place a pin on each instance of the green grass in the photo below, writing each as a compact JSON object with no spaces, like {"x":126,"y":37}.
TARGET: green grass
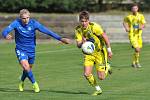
{"x":58,"y":69}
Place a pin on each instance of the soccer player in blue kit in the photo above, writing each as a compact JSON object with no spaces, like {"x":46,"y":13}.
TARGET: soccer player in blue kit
{"x":25,"y":39}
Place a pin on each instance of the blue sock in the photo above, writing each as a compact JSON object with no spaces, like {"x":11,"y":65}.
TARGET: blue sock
{"x":24,"y":75}
{"x":31,"y":77}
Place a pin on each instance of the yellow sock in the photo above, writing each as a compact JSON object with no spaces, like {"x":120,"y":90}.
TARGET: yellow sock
{"x":137,"y":57}
{"x":134,"y":58}
{"x":91,"y":80}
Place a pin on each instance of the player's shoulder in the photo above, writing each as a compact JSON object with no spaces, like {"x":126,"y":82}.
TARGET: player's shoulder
{"x":32,"y":20}
{"x":140,"y":14}
{"x":78,"y":27}
{"x":95,"y":25}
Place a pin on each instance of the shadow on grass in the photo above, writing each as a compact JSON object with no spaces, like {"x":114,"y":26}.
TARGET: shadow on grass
{"x":31,"y":91}
{"x":13,"y":90}
{"x":66,"y":92}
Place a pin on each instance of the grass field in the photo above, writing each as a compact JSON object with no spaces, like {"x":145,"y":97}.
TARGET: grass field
{"x":58,"y":69}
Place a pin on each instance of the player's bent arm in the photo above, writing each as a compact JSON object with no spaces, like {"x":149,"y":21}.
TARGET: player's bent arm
{"x":79,"y":44}
{"x":126,"y":26}
{"x":107,"y":42}
{"x":8,"y":29}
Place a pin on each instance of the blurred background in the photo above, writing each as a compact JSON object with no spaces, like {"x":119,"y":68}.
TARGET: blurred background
{"x":61,"y":16}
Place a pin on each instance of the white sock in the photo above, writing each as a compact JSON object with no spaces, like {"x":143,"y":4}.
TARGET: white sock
{"x":98,"y":88}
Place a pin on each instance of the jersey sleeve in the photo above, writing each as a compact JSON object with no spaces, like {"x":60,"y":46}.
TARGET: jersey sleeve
{"x":47,"y":31}
{"x":78,"y":35}
{"x":126,"y":20}
{"x":97,"y":29}
{"x":143,"y":19}
{"x":9,"y":28}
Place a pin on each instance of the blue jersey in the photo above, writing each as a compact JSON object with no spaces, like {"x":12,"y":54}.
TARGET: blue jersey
{"x":25,"y":35}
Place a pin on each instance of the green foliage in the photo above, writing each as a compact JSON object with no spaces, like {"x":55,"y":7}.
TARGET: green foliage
{"x":63,"y":5}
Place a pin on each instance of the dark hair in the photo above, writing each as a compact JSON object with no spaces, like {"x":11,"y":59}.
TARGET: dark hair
{"x":84,"y":15}
{"x":135,"y":4}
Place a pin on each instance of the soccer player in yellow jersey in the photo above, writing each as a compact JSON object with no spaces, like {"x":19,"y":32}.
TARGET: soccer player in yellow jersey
{"x":134,"y":23}
{"x":90,"y":31}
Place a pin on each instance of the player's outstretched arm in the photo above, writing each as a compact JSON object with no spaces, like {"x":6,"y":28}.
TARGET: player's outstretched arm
{"x":47,"y":31}
{"x":126,"y":26}
{"x":65,"y":40}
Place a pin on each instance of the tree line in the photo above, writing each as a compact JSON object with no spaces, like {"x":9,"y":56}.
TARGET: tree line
{"x":66,"y":6}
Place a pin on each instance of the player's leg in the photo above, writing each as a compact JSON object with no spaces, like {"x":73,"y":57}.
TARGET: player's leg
{"x":89,"y":63}
{"x":134,"y":43}
{"x":27,"y":72}
{"x":88,"y":66}
{"x":137,"y":45}
{"x":21,"y":56}
{"x":101,"y":70}
{"x":107,"y":64}
{"x":137,"y":52}
{"x":27,"y":67}
{"x":31,"y":78}
{"x":89,"y":76}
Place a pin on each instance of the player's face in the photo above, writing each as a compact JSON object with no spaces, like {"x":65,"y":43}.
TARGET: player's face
{"x":25,"y":18}
{"x":84,"y":22}
{"x":134,"y":9}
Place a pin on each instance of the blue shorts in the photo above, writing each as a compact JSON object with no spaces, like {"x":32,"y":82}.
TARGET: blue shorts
{"x":22,"y":55}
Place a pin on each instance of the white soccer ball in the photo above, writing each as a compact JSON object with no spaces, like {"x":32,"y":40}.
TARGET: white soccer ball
{"x":88,"y":47}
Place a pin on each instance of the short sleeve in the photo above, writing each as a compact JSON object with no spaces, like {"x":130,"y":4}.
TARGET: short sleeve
{"x":97,"y":29}
{"x":78,"y":35}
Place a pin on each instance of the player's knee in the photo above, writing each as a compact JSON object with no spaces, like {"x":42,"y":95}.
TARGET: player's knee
{"x":87,"y":74}
{"x":101,"y":77}
{"x":137,"y":49}
{"x":25,"y":66}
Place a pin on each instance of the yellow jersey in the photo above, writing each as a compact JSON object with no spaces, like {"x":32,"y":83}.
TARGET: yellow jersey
{"x":134,"y":21}
{"x":92,"y":33}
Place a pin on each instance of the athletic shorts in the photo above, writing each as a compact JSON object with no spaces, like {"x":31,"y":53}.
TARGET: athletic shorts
{"x":22,"y":55}
{"x":98,"y":59}
{"x":136,"y":40}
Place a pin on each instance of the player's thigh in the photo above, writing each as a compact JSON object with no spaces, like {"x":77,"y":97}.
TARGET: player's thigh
{"x":89,"y":60}
{"x":31,"y":58}
{"x":23,"y":59}
{"x":88,"y":64}
{"x":88,"y":70}
{"x":140,"y":42}
{"x":25,"y":65}
{"x":101,"y":65}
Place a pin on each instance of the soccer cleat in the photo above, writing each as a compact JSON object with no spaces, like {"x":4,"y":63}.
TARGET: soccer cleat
{"x":134,"y":65}
{"x":97,"y":93}
{"x":138,"y":65}
{"x":36,"y":87}
{"x":21,"y":86}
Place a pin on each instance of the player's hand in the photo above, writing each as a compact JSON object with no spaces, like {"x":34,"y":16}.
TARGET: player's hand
{"x":66,"y":40}
{"x":127,"y":29}
{"x":9,"y":37}
{"x":83,"y":39}
{"x":141,"y":27}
